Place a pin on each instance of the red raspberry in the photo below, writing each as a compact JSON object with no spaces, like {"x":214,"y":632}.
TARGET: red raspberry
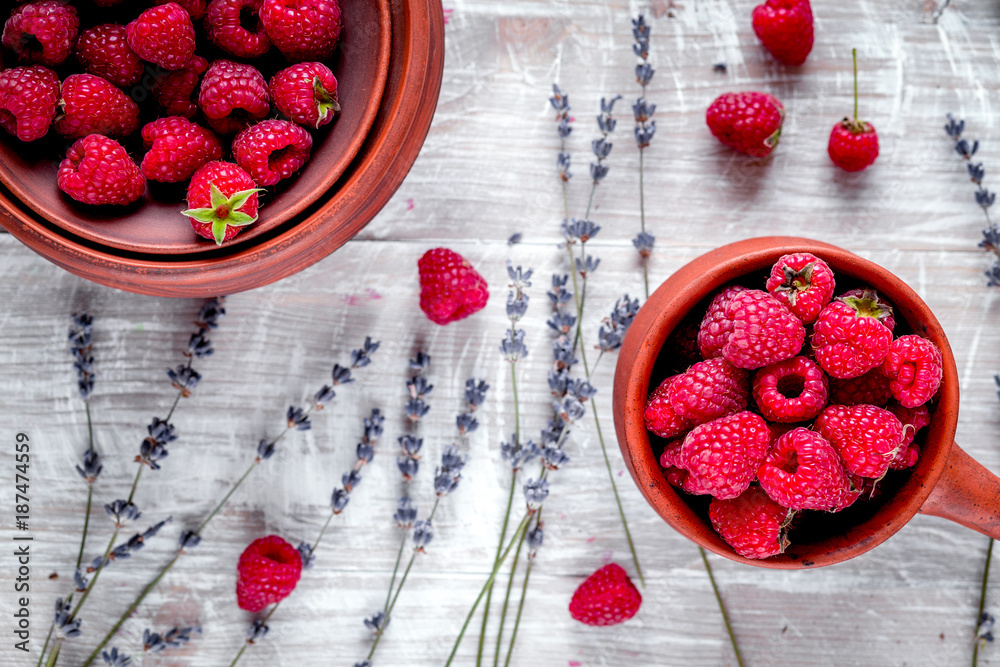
{"x":272,"y":150}
{"x":222,"y":200}
{"x":195,"y":8}
{"x":607,"y":597}
{"x":803,"y":282}
{"x":267,"y":573}
{"x":785,"y":27}
{"x":174,"y":91}
{"x":853,"y":143}
{"x":764,"y":331}
{"x":450,"y":289}
{"x":234,"y":26}
{"x":679,"y":477}
{"x":912,"y":419}
{"x":29,"y":98}
{"x":914,"y":368}
{"x":709,"y":390}
{"x":716,"y":325}
{"x":849,"y":336}
{"x":42,"y":31}
{"x":871,"y":388}
{"x":752,"y":524}
{"x":723,"y":455}
{"x":747,"y":122}
{"x":793,"y":390}
{"x":233,"y":96}
{"x":103,"y":50}
{"x":886,"y":315}
{"x":856,"y":487}
{"x":302,"y":29}
{"x":91,"y":105}
{"x":97,"y":170}
{"x":176,"y":148}
{"x":866,"y":437}
{"x":306,"y":93}
{"x":803,"y":472}
{"x":163,"y":35}
{"x":660,"y":416}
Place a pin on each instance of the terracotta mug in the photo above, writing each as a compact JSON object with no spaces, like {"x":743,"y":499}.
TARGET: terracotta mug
{"x":945,"y":482}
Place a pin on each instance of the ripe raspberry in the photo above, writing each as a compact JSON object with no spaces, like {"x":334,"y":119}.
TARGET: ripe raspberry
{"x":853,"y":143}
{"x":163,"y":35}
{"x":222,"y":200}
{"x":176,"y":148}
{"x":267,"y":572}
{"x":607,"y":597}
{"x":174,"y":91}
{"x":856,"y":487}
{"x":91,"y":105}
{"x":764,"y":331}
{"x":234,"y":26}
{"x":306,"y":93}
{"x":28,"y":101}
{"x":785,"y":27}
{"x":450,"y":289}
{"x":302,"y":29}
{"x":272,"y":150}
{"x":752,"y":524}
{"x":709,"y":390}
{"x":912,"y":419}
{"x":679,"y":477}
{"x":849,"y":336}
{"x":97,"y":170}
{"x":803,"y":282}
{"x":871,"y":388}
{"x":42,"y":31}
{"x":716,"y":325}
{"x":747,"y":122}
{"x":103,"y":50}
{"x":723,"y":455}
{"x":803,"y":472}
{"x":233,"y":96}
{"x":793,"y":390}
{"x":195,"y":8}
{"x":660,"y":416}
{"x":914,"y":368}
{"x":866,"y":437}
{"x":886,"y":317}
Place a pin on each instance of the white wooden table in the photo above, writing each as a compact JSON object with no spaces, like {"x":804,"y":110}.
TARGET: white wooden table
{"x":488,"y":170}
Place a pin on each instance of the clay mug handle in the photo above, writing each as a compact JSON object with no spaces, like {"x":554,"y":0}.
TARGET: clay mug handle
{"x":966,"y":493}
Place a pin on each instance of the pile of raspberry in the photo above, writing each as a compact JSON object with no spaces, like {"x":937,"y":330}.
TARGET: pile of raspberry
{"x":201,"y":100}
{"x":800,"y":401}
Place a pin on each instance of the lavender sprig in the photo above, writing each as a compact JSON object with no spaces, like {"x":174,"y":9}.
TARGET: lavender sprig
{"x":81,"y":340}
{"x":154,"y":642}
{"x":645,"y":128}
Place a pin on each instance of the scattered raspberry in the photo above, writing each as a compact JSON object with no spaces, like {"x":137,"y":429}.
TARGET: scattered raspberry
{"x":267,"y":572}
{"x":793,"y":390}
{"x":97,"y":170}
{"x":607,"y":597}
{"x":803,"y":282}
{"x":103,"y":50}
{"x":233,"y":96}
{"x":914,"y":368}
{"x":853,"y":143}
{"x":803,"y":472}
{"x":785,"y":27}
{"x":41,"y":32}
{"x":174,"y":92}
{"x":302,"y":29}
{"x":871,"y":388}
{"x":866,"y":437}
{"x":660,"y":416}
{"x":28,"y":101}
{"x":272,"y":150}
{"x":716,"y":325}
{"x":234,"y":26}
{"x":764,"y":331}
{"x":709,"y":390}
{"x":196,"y":9}
{"x":747,"y":122}
{"x":752,"y":524}
{"x":723,"y":455}
{"x":306,"y":93}
{"x":221,"y":212}
{"x":450,"y":289}
{"x":91,"y":105}
{"x":849,"y":337}
{"x":176,"y":148}
{"x":163,"y":35}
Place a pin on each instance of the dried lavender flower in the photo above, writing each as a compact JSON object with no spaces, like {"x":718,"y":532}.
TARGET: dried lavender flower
{"x":176,"y":637}
{"x":643,"y":242}
{"x":306,"y":554}
{"x":419,"y":387}
{"x":376,"y":622}
{"x":298,"y":419}
{"x":408,"y":467}
{"x":579,"y":230}
{"x":535,"y":493}
{"x":92,"y":466}
{"x":517,"y":306}
{"x":211,"y":312}
{"x":339,"y":500}
{"x":553,"y":457}
{"x":512,"y":347}
{"x":364,"y":453}
{"x":536,"y":537}
{"x":373,"y":426}
{"x":323,"y":396}
{"x":423,"y":533}
{"x":257,"y":631}
{"x":122,"y":511}
{"x":514,"y":238}
{"x":184,"y":379}
{"x":64,"y":627}
{"x":520,"y":279}
{"x":411,"y":445}
{"x":114,"y":658}
{"x":362,"y":357}
{"x":199,"y":345}
{"x":188,"y":540}
{"x":475,"y":392}
{"x":341,"y":375}
{"x":416,"y":408}
{"x":406,"y":513}
{"x":265,"y":449}
{"x":420,"y":363}
{"x":518,"y":456}
{"x":466,"y":423}
{"x":587,"y":265}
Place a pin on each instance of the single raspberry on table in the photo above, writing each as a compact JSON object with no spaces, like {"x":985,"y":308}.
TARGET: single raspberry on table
{"x":92,"y":105}
{"x":450,"y":289}
{"x":233,"y":96}
{"x":723,"y":455}
{"x":103,"y":50}
{"x":97,"y":171}
{"x":163,"y":35}
{"x":914,"y":368}
{"x":853,"y":143}
{"x":272,"y":150}
{"x":267,"y":572}
{"x":196,"y":9}
{"x":234,"y":26}
{"x":222,"y":200}
{"x":660,"y":416}
{"x":785,"y":28}
{"x":176,"y":148}
{"x":29,"y":99}
{"x":803,"y":282}
{"x":709,"y":390}
{"x":302,"y":29}
{"x":748,"y":122}
{"x":306,"y":93}
{"x":764,"y":331}
{"x":174,"y":91}
{"x":850,"y":336}
{"x":866,"y":437}
{"x":41,"y":31}
{"x":803,"y":472}
{"x":607,"y":597}
{"x":716,"y":325}
{"x":871,"y":388}
{"x":752,"y":524}
{"x":793,"y":390}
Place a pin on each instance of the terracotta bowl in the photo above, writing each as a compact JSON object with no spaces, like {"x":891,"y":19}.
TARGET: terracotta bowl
{"x":945,"y":482}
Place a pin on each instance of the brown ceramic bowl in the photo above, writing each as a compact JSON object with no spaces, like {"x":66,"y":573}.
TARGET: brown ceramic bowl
{"x":945,"y":482}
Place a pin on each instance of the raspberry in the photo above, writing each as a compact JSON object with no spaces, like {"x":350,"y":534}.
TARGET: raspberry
{"x":195,"y":8}
{"x":234,"y":26}
{"x":302,"y":29}
{"x":97,"y":170}
{"x":866,"y":437}
{"x":914,"y":368}
{"x":163,"y":35}
{"x":856,"y":487}
{"x":803,"y":472}
{"x":222,"y":200}
{"x":176,"y":148}
{"x":450,"y":289}
{"x":752,"y":524}
{"x":709,"y":390}
{"x":607,"y":597}
{"x":660,"y":416}
{"x":853,"y":143}
{"x":912,"y":419}
{"x":871,"y":388}
{"x":803,"y":282}
{"x":233,"y":96}
{"x":272,"y":150}
{"x":41,"y":32}
{"x":306,"y":93}
{"x":103,"y":50}
{"x":747,"y":122}
{"x":723,"y":455}
{"x":764,"y":331}
{"x":267,"y":572}
{"x":716,"y":325}
{"x":885,"y":315}
{"x":793,"y":390}
{"x":173,"y":91}
{"x":91,"y":105}
{"x":678,"y":476}
{"x":785,"y":27}
{"x":849,"y":337}
{"x":29,"y":98}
